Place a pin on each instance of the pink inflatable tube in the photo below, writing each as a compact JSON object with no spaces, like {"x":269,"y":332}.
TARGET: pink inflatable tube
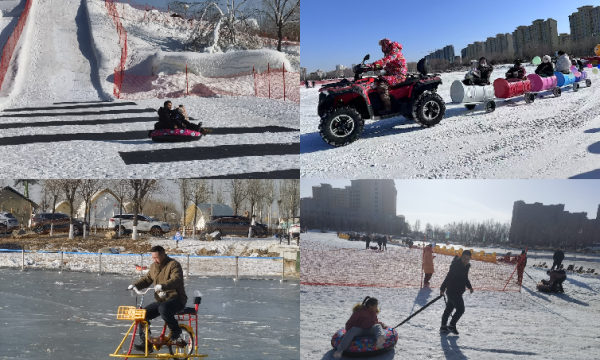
{"x":539,"y":83}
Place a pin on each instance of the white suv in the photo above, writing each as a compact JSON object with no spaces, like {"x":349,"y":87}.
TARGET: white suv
{"x":145,"y":224}
{"x":8,"y":223}
{"x":295,"y":230}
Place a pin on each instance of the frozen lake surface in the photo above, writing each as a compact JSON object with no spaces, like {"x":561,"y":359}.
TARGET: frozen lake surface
{"x":49,"y":315}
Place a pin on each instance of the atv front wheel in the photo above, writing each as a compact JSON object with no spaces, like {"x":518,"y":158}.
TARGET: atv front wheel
{"x":341,"y":126}
{"x":429,"y":109}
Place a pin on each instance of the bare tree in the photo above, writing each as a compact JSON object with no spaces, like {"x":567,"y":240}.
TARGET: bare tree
{"x":417,"y":227}
{"x":69,"y":190}
{"x":88,"y":188}
{"x":53,"y":188}
{"x":290,"y":196}
{"x":222,"y":23}
{"x":200,"y":195}
{"x":282,"y":13}
{"x":238,"y":192}
{"x":185,"y":193}
{"x":140,"y":188}
{"x":120,"y":189}
{"x":269,"y":196}
{"x":255,"y":194}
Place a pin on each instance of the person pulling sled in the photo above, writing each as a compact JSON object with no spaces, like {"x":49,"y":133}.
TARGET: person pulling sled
{"x":455,"y":283}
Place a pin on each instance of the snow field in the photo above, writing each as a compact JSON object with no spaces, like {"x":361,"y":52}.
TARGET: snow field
{"x":550,"y":138}
{"x":496,"y":325}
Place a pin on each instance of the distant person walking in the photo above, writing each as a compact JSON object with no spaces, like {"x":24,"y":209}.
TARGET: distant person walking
{"x":313,"y":83}
{"x":385,"y":240}
{"x":367,"y":239}
{"x":558,"y":258}
{"x":428,"y":263}
{"x":456,"y":282}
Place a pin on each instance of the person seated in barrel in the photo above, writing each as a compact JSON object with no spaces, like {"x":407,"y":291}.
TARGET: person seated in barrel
{"x":517,"y":72}
{"x":563,"y":64}
{"x":546,"y":68}
{"x":473,"y":74}
{"x":363,"y":322}
{"x":485,"y":71}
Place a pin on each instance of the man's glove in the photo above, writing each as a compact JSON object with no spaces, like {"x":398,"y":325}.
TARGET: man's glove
{"x":131,"y":287}
{"x":157,"y":288}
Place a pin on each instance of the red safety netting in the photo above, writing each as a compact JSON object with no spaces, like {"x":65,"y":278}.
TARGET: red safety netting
{"x":325,"y":265}
{"x":272,"y":83}
{"x":12,"y":41}
{"x":120,"y":70}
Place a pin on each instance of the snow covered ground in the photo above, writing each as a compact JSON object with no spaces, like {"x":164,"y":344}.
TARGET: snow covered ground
{"x":551,"y":138}
{"x":58,"y":63}
{"x":496,"y":325}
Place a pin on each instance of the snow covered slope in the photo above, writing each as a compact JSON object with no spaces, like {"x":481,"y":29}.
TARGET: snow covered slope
{"x":44,"y":137}
{"x":495,"y":326}
{"x":551,"y":138}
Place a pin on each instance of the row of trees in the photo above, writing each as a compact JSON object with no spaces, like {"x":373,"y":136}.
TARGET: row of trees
{"x":71,"y":190}
{"x":241,"y":23}
{"x":255,"y":195}
{"x":466,"y":232}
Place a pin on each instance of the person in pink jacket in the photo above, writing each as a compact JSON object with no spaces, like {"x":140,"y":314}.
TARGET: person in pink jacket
{"x":394,"y":65}
{"x":363,"y":322}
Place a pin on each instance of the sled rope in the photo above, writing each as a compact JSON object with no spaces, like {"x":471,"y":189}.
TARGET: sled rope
{"x":421,"y":309}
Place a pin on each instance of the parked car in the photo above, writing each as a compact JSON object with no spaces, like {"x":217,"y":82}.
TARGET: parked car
{"x":145,"y":224}
{"x":8,"y":223}
{"x":233,"y":226}
{"x":295,"y":230}
{"x":41,"y":223}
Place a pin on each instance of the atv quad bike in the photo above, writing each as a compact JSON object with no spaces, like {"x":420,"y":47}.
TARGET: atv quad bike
{"x":344,"y":106}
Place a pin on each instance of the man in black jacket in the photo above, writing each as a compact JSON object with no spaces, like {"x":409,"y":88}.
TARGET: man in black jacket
{"x":558,"y":257}
{"x":165,"y":117}
{"x":456,"y":281}
{"x":367,"y":239}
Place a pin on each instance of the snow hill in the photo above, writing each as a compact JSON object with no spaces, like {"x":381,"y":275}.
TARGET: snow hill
{"x":551,"y":138}
{"x":59,"y":118}
{"x":496,"y":325}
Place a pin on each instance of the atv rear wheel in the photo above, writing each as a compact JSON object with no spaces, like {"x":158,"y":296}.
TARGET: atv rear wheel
{"x":341,"y":126}
{"x":429,"y":109}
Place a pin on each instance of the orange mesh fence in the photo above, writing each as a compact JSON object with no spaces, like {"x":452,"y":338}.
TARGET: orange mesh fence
{"x":119,"y":71}
{"x":12,"y":41}
{"x":324,"y":265}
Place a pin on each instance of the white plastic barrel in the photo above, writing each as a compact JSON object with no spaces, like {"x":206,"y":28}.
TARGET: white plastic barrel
{"x":461,"y":93}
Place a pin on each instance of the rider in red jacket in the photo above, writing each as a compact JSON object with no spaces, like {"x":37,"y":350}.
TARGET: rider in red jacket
{"x":394,"y":65}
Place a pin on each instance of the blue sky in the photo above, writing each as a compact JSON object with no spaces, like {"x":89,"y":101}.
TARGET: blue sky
{"x":444,"y":201}
{"x":342,"y":32}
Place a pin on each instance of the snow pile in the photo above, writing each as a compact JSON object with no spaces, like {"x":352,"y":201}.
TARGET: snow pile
{"x":550,"y":138}
{"x":496,"y":325}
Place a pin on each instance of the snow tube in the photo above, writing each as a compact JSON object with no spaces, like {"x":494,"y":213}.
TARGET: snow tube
{"x":177,"y":135}
{"x":582,"y":77}
{"x":461,"y":93}
{"x":539,"y":83}
{"x":507,"y":90}
{"x":364,"y":346}
{"x":564,"y":79}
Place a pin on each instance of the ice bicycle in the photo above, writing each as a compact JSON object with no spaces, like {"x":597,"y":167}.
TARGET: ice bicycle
{"x":186,"y":347}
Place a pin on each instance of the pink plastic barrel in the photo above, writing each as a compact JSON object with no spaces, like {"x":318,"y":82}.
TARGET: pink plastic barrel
{"x":506,"y":90}
{"x":539,"y":83}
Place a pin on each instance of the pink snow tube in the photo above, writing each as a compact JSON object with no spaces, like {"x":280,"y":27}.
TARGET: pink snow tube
{"x":177,"y":135}
{"x":507,"y":90}
{"x":539,"y":83}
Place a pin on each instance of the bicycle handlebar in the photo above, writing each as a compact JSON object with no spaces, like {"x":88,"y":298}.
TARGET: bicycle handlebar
{"x":145,"y":291}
